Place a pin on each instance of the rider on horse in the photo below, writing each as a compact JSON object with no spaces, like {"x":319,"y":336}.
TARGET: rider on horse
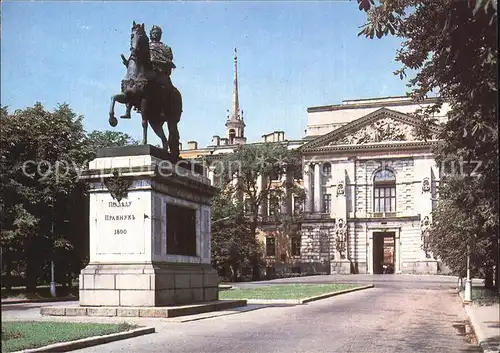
{"x":161,"y":57}
{"x":162,"y":61}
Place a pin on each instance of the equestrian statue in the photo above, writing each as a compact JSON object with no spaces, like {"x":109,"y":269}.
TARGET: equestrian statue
{"x":148,"y":89}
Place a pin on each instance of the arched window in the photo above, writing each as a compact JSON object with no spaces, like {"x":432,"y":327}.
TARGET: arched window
{"x":384,"y":191}
{"x":232,"y":135}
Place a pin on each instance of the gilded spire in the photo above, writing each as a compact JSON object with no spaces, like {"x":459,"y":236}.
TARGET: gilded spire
{"x":235,"y":114}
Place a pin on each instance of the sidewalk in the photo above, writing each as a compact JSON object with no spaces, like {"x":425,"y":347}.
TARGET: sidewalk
{"x":486,"y":323}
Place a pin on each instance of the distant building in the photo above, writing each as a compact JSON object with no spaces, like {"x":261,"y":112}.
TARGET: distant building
{"x":371,"y":186}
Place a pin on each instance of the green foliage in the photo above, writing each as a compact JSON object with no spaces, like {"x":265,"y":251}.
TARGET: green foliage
{"x":247,"y":165}
{"x":234,"y":247}
{"x":249,"y":162}
{"x":43,"y":204}
{"x":99,"y":139}
{"x":20,"y":335}
{"x":452,"y":48}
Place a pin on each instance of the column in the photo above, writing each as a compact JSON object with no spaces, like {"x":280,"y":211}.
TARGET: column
{"x":211,"y":175}
{"x":317,"y":188}
{"x":397,"y":251}
{"x":307,"y":187}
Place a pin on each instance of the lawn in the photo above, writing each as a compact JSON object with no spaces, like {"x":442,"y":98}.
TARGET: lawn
{"x":483,"y":296}
{"x":284,"y":291}
{"x":19,"y":335}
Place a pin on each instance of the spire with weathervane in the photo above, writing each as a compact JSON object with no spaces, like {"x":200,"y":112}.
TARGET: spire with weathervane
{"x":235,"y":124}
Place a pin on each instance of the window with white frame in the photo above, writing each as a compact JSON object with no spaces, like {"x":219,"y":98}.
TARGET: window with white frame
{"x":384,"y":191}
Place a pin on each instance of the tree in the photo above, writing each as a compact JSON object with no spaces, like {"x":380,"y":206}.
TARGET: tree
{"x":259,"y":171}
{"x":99,"y":139}
{"x":44,"y":206}
{"x":233,"y":246}
{"x":452,"y":48}
{"x":40,"y":153}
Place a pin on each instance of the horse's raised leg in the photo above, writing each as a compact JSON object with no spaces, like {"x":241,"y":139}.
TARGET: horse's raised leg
{"x":127,"y":112}
{"x":120,"y":98}
{"x":158,"y":129}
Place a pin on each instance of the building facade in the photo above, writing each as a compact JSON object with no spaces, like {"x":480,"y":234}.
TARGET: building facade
{"x":370,"y":182}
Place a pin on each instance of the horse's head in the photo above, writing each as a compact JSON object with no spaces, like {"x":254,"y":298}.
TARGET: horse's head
{"x":139,"y":42}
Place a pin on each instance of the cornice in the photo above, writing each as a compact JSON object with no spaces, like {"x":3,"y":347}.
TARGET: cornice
{"x":359,"y":123}
{"x":328,"y":108}
{"x":390,"y":146}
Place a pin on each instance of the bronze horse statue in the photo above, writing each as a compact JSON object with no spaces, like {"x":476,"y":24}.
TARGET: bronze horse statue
{"x":156,"y":103}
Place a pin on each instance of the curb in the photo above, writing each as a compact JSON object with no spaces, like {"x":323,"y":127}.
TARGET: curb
{"x":90,"y":341}
{"x":41,"y":300}
{"x":307,"y":300}
{"x":333,"y":294}
{"x":482,"y":341}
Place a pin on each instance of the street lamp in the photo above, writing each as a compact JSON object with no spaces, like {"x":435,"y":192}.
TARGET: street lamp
{"x":52,"y":275}
{"x":468,"y":283}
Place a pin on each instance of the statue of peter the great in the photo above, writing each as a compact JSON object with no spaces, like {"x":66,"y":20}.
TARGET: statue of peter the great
{"x":162,"y":59}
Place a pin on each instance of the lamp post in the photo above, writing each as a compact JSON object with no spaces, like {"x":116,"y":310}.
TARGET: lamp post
{"x":52,"y":274}
{"x":468,"y":283}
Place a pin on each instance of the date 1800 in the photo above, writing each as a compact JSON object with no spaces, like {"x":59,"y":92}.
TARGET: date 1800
{"x":120,"y":231}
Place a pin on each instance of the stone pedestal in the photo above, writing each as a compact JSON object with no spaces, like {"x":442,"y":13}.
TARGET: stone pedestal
{"x":149,"y":231}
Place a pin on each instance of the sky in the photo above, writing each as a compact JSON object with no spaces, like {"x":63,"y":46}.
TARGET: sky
{"x":291,"y":55}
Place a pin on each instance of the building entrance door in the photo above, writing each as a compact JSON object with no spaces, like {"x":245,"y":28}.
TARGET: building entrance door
{"x":383,"y":252}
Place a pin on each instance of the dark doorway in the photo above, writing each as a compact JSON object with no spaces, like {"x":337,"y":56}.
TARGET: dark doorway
{"x":383,"y":252}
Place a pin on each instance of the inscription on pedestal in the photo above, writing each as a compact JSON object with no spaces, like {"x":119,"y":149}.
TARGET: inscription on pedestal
{"x":120,"y":226}
{"x":181,"y":230}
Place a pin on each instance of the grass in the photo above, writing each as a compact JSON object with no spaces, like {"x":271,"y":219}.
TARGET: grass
{"x":19,"y":335}
{"x":284,"y":291}
{"x":483,"y":296}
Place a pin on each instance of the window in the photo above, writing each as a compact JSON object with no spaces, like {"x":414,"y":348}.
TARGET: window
{"x":297,"y":173}
{"x":270,"y":246}
{"x":384,"y":191}
{"x":327,"y":201}
{"x":298,"y":205}
{"x":232,"y":135}
{"x":327,"y":170}
{"x":274,"y":176}
{"x":296,"y":246}
{"x":274,"y":208}
{"x":283,"y":257}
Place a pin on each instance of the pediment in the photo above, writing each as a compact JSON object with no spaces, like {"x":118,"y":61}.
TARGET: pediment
{"x":383,"y":125}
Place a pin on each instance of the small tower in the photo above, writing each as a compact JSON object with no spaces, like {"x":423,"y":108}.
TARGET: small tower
{"x":234,"y":124}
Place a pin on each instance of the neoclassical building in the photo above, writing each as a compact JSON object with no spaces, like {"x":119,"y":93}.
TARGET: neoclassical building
{"x":370,"y":184}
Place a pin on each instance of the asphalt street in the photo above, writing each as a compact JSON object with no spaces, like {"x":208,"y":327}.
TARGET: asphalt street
{"x":399,"y":315}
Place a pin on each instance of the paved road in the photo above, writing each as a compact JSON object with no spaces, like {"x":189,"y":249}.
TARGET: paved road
{"x":390,"y":318}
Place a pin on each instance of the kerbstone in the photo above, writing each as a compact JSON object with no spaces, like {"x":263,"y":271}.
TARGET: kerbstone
{"x":127,"y":312}
{"x":76,"y":311}
{"x":101,"y":311}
